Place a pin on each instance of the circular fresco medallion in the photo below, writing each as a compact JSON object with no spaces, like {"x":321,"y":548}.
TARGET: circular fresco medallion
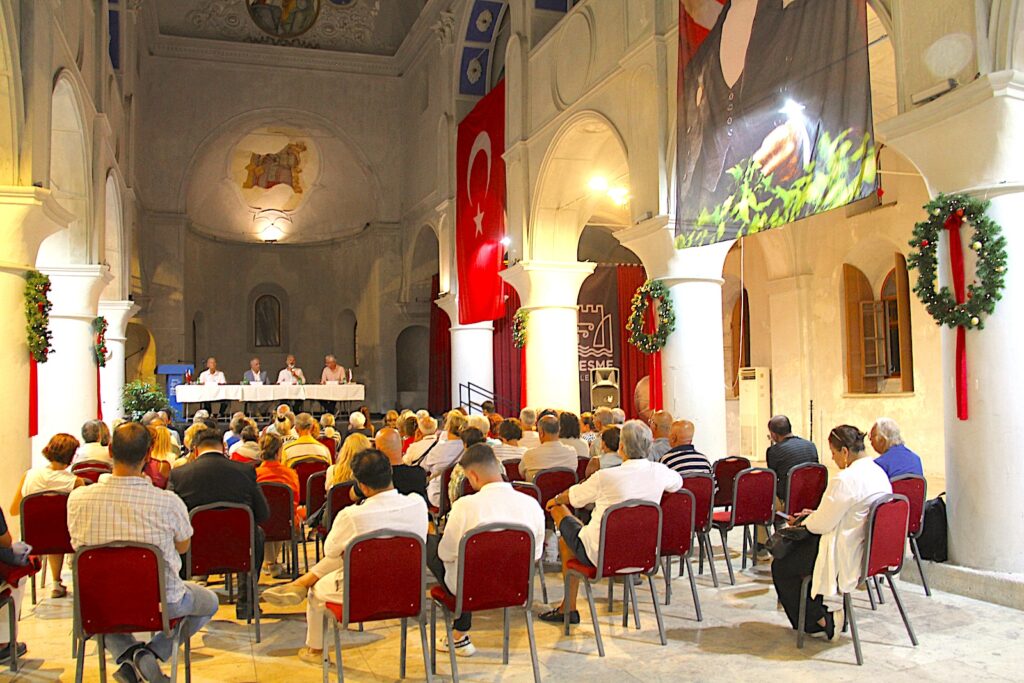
{"x":283,"y":18}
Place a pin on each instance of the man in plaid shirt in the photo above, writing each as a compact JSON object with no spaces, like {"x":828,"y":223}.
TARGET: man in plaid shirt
{"x":126,"y":507}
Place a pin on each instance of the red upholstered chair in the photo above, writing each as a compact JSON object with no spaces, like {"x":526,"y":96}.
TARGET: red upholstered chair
{"x":279,"y":527}
{"x":338,"y":498}
{"x":90,"y":470}
{"x":702,"y":486}
{"x":467,"y":488}
{"x":331,"y":444}
{"x":915,"y":488}
{"x":533,"y":492}
{"x":883,"y":556}
{"x":581,"y":468}
{"x":630,"y":545}
{"x":725,"y":471}
{"x":753,"y":504}
{"x":306,"y":469}
{"x":315,"y":494}
{"x":384,"y":578}
{"x":106,"y":603}
{"x":551,"y":482}
{"x":480,"y":587}
{"x":446,"y":480}
{"x":44,"y":526}
{"x":9,"y":577}
{"x":223,"y":542}
{"x":512,"y":469}
{"x":805,"y":486}
{"x":677,"y":512}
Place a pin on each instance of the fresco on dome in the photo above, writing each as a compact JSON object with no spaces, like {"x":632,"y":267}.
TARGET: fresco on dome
{"x":278,"y":168}
{"x":283,"y":18}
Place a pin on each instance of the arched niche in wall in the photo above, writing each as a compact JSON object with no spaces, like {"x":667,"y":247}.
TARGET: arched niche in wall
{"x":424,"y":264}
{"x":200,"y":344}
{"x":113,"y":241}
{"x":346,"y":338}
{"x":10,"y":94}
{"x":412,"y":355}
{"x":267,"y":318}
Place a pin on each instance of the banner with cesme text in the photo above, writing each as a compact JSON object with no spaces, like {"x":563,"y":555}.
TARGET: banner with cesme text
{"x":774,"y":114}
{"x":480,"y":209}
{"x":598,"y":326}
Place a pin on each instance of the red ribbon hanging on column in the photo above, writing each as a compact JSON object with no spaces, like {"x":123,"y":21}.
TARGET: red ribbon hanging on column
{"x":33,"y":396}
{"x":99,"y":396}
{"x":655,"y":381}
{"x":522,"y":378}
{"x":956,"y":263}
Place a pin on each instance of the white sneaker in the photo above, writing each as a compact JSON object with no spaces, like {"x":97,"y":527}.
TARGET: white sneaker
{"x":463,"y":646}
{"x":285,"y":595}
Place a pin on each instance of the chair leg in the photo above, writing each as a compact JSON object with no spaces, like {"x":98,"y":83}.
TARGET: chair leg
{"x":325,"y":660}
{"x":543,"y":583}
{"x":700,"y":553}
{"x":188,"y":660}
{"x":12,"y":630}
{"x":801,"y":623}
{"x":230,"y":583}
{"x":871,"y":595}
{"x":878,"y":590}
{"x":451,"y":645}
{"x":848,"y":603}
{"x":337,"y":651}
{"x":565,"y":604}
{"x":593,"y":617}
{"x":626,"y":596}
{"x":174,"y":655}
{"x":633,"y":599}
{"x":706,"y":540}
{"x":657,"y":609}
{"x":903,"y":611}
{"x":305,"y":551}
{"x":667,"y":567}
{"x":611,"y":594}
{"x":920,"y":567}
{"x":505,"y":637}
{"x":693,"y":587}
{"x":295,"y":559}
{"x":725,"y":551}
{"x":254,"y":598}
{"x":426,"y":648}
{"x":746,"y":535}
{"x":101,"y":651}
{"x":433,"y":637}
{"x":405,"y":643}
{"x":80,"y":662}
{"x":533,"y":645}
{"x":34,"y":589}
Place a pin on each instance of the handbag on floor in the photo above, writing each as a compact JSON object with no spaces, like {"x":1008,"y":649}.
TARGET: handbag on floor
{"x":785,"y":539}
{"x":933,"y":540}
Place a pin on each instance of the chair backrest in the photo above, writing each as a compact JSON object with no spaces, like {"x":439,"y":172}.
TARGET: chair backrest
{"x":915,"y":488}
{"x":805,"y":485}
{"x":119,"y":588}
{"x":331,"y":445}
{"x":280,"y":525}
{"x":315,"y":491}
{"x":725,"y":471}
{"x":512,"y":469}
{"x":222,"y":539}
{"x":44,"y":523}
{"x":529,"y":489}
{"x":677,"y":520}
{"x":480,"y":587}
{"x":92,"y":472}
{"x":385,"y":574}
{"x":553,"y":481}
{"x":467,"y":488}
{"x":753,"y":497}
{"x":630,"y":538}
{"x":306,"y":469}
{"x":338,"y":498}
{"x":91,"y":465}
{"x":702,"y":486}
{"x":581,"y":468}
{"x":446,"y":480}
{"x":886,"y":536}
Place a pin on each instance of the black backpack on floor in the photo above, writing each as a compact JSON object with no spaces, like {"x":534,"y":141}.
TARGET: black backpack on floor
{"x":933,"y":543}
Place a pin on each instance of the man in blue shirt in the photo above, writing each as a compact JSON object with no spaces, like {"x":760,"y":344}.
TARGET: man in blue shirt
{"x":894,"y":457}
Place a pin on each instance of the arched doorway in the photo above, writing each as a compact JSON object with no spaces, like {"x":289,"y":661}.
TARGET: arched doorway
{"x":413,"y":359}
{"x":346,"y":345}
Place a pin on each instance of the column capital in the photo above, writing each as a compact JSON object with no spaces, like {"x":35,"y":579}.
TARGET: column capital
{"x":76,"y":289}
{"x":449,"y":303}
{"x":117,"y":313}
{"x":28,"y":215}
{"x":548,"y":284}
{"x":653,"y":240}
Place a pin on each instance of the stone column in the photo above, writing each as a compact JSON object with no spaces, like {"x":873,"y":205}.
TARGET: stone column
{"x":472,"y":354}
{"x":68,"y":379}
{"x":984,"y":470}
{"x":28,"y":215}
{"x":549,"y":292}
{"x":112,"y":375}
{"x":693,"y":360}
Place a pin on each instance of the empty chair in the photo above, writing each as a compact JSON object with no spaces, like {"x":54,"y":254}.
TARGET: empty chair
{"x":553,"y":481}
{"x":805,"y":485}
{"x":753,"y":504}
{"x":534,"y":492}
{"x":915,"y":488}
{"x":279,"y":527}
{"x":314,"y":494}
{"x":677,"y":511}
{"x":331,"y":445}
{"x":306,"y":469}
{"x":512,"y":469}
{"x":725,"y":471}
{"x":702,"y":486}
{"x":44,"y":526}
{"x":338,"y":498}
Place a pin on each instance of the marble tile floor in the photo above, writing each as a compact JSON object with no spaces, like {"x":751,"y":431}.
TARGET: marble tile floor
{"x":743,"y":634}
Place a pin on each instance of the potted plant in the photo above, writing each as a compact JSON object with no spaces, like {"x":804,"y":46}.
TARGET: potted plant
{"x":140,"y":397}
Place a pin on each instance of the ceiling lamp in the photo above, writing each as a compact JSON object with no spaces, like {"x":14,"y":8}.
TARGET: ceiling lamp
{"x":598,"y":184}
{"x":271,"y":225}
{"x":619,"y":195}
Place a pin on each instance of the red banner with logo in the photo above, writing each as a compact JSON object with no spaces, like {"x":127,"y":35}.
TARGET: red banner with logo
{"x":480,"y":208}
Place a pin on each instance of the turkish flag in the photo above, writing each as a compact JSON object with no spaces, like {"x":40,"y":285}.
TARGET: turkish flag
{"x":696,"y":19}
{"x":480,"y":208}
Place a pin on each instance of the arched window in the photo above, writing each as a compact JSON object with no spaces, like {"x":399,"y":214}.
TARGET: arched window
{"x":739,"y":328}
{"x":267,"y":317}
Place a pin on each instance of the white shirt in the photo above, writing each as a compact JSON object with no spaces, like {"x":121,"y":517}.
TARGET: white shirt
{"x":418,"y":448}
{"x":546,"y":456}
{"x":93,"y":451}
{"x":842,"y":521}
{"x":207,"y":377}
{"x":495,"y":503}
{"x":46,"y":478}
{"x":436,"y":462}
{"x":632,"y":480}
{"x":507,"y":452}
{"x":286,"y":376}
{"x":581,"y":448}
{"x":530,"y":439}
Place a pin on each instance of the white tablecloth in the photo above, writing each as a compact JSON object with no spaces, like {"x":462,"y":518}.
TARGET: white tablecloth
{"x":202,"y":393}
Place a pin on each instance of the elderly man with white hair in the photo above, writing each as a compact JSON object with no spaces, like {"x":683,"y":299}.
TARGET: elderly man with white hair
{"x":893,"y":455}
{"x":637,"y":478}
{"x":528,"y":423}
{"x":306,"y":446}
{"x":602,"y":420}
{"x":426,"y":439}
{"x":618,"y":416}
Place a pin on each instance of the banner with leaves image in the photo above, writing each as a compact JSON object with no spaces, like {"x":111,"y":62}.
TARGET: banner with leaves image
{"x":774,"y":114}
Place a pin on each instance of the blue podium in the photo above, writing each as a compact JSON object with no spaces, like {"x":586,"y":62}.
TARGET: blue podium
{"x":173,"y":376}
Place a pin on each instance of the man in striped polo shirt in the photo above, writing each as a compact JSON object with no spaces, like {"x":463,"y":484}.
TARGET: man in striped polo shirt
{"x":683,"y":457}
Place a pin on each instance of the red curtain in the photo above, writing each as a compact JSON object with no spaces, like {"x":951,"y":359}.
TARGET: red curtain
{"x":635,"y":365}
{"x":439,"y":395}
{"x":508,"y":370}
{"x":33,"y":396}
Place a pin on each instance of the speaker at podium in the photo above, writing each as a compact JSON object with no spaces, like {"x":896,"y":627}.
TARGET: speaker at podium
{"x":604,"y":388}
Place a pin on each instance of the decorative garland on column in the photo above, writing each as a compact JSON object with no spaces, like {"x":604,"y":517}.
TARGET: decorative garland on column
{"x":37,"y":315}
{"x":99,"y":348}
{"x":966,"y":305}
{"x":519,"y":321}
{"x":651,"y":342}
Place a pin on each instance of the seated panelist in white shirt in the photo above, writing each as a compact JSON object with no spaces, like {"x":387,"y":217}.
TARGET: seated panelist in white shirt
{"x":291,"y":373}
{"x":212,"y":376}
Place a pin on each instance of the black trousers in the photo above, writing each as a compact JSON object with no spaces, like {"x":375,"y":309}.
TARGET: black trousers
{"x":436,"y":566}
{"x":788,"y":573}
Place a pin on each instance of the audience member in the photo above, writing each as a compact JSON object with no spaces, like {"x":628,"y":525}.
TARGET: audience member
{"x":602,"y":420}
{"x":661,"y":424}
{"x":357,"y":425}
{"x":305,"y":447}
{"x":482,"y":423}
{"x":618,"y":416}
{"x":368,"y":420}
{"x":427,"y":440}
{"x":160,"y":457}
{"x":438,"y":459}
{"x":528,"y":423}
{"x":272,"y":470}
{"x":7,"y":548}
{"x":682,"y":456}
{"x":233,"y":434}
{"x":509,"y":433}
{"x":341,"y":471}
{"x":470,"y":436}
{"x":894,"y":457}
{"x":636,"y":479}
{"x":327,"y":429}
{"x":406,"y":478}
{"x":95,"y":444}
{"x":488,"y":408}
{"x":786,"y":452}
{"x":247,"y":448}
{"x":551,"y":452}
{"x":833,"y":552}
{"x":569,"y":434}
{"x":408,"y":431}
{"x":588,"y":433}
{"x":390,"y":420}
{"x":609,"y":452}
{"x":125,"y":507}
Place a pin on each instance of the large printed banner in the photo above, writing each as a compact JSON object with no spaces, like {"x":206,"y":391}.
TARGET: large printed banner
{"x":480,"y":208}
{"x":598,"y":327}
{"x":774,"y":114}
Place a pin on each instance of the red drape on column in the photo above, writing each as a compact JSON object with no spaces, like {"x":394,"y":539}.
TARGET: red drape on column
{"x":509,"y":373}
{"x":99,"y":395}
{"x":635,"y":365}
{"x":33,"y":397}
{"x":439,"y":394}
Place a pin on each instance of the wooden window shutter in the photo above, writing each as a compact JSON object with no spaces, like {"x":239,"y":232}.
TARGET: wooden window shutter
{"x":856,"y":289}
{"x":906,"y":338}
{"x":740,"y":332}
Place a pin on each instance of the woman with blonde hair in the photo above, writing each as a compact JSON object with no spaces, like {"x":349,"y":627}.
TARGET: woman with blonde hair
{"x":161,"y":455}
{"x":342,"y":470}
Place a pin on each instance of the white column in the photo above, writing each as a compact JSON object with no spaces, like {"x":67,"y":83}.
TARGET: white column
{"x":117,"y":313}
{"x":68,"y":379}
{"x":549,"y":292}
{"x":693,"y":360}
{"x":472,"y":354}
{"x":984,"y":470}
{"x":27,"y":216}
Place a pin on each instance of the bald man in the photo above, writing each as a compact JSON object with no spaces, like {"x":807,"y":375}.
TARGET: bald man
{"x":406,"y":478}
{"x":683,"y":457}
{"x":661,"y":424}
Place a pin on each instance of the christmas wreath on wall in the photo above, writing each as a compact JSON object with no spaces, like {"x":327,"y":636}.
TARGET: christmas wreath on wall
{"x":99,"y":348}
{"x":37,"y":315}
{"x":651,"y":342}
{"x":963,"y":306}
{"x":519,"y":328}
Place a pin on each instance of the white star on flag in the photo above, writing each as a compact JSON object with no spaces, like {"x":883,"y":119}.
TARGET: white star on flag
{"x":479,"y":220}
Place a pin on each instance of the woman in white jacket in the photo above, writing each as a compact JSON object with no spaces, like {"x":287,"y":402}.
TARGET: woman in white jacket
{"x":833,"y":554}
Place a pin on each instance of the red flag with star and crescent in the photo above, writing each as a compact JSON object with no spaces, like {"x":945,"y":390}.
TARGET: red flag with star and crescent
{"x":480,"y":209}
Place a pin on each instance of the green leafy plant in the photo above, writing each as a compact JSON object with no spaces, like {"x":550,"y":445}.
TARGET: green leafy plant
{"x":139,"y":397}
{"x":519,"y":321}
{"x":37,"y":315}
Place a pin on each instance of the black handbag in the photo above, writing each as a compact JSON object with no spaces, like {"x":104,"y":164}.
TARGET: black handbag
{"x":933,"y":543}
{"x":785,"y":539}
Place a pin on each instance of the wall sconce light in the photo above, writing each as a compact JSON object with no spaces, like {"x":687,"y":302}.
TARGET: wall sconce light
{"x":271,"y":224}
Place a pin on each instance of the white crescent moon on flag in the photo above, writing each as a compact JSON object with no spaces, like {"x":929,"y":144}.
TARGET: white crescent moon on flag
{"x":481,"y":144}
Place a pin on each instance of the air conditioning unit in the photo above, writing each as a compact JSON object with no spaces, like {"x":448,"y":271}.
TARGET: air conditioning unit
{"x":755,"y":410}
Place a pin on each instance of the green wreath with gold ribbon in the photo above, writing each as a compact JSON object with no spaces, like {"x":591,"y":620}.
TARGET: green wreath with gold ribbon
{"x":99,"y":347}
{"x":651,"y":342}
{"x":37,"y":315}
{"x":519,"y":328}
